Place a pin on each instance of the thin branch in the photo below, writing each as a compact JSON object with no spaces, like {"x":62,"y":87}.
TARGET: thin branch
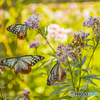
{"x":46,"y":40}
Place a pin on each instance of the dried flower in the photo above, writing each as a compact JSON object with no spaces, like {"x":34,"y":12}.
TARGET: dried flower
{"x":32,"y":21}
{"x":33,"y":44}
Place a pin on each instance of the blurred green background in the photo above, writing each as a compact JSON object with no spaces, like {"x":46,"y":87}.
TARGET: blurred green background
{"x":67,"y":15}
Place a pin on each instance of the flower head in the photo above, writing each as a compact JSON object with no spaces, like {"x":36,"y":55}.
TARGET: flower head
{"x":24,"y":98}
{"x":91,"y":22}
{"x":26,"y":92}
{"x":32,"y":21}
{"x":72,"y":50}
{"x":57,"y":32}
{"x":1,"y":69}
{"x":33,"y":44}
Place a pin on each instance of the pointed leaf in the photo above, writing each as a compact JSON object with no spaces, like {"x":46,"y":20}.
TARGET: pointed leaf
{"x":8,"y":98}
{"x":85,"y":70}
{"x":57,"y":91}
{"x":89,"y":81}
{"x":76,"y":71}
{"x":91,"y":76}
{"x":42,"y":73}
{"x":87,"y":40}
{"x":65,"y":97}
{"x":52,"y":55}
{"x":68,"y":90}
{"x":83,"y":61}
{"x":44,"y":63}
{"x":88,"y":46}
{"x":50,"y":65}
{"x":16,"y":98}
{"x":96,"y":38}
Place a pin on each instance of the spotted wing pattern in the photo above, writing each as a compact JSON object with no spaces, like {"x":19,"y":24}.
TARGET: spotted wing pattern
{"x":57,"y":74}
{"x":22,"y":64}
{"x":19,"y":29}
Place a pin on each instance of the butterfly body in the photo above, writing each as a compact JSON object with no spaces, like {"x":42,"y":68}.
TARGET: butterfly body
{"x":57,"y":74}
{"x":19,"y":29}
{"x":21,"y":64}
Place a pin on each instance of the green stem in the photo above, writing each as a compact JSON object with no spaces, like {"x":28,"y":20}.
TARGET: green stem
{"x":2,"y":96}
{"x":79,"y":75}
{"x":46,"y":40}
{"x":91,"y":57}
{"x":71,"y":75}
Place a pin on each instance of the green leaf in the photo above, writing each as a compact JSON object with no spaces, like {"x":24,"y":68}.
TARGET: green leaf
{"x":83,"y":61}
{"x":44,"y":63}
{"x":75,"y":64}
{"x":65,"y":97}
{"x":68,"y":90}
{"x":52,"y":55}
{"x":89,"y":81}
{"x":16,"y":98}
{"x":8,"y":98}
{"x":57,"y":91}
{"x":84,"y":87}
{"x":96,"y":38}
{"x":91,"y":76}
{"x":88,"y":46}
{"x":61,"y":84}
{"x":50,"y":65}
{"x":87,"y":40}
{"x":42,"y":73}
{"x":76,"y":71}
{"x":85,"y":70}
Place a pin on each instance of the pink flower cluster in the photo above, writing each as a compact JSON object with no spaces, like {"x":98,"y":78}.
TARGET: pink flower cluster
{"x":58,"y":33}
{"x":91,"y":22}
{"x":72,"y":50}
{"x":33,"y":44}
{"x":32,"y":21}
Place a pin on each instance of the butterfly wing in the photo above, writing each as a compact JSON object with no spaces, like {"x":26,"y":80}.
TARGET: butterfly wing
{"x":22,"y":64}
{"x":31,"y":59}
{"x":61,"y":74}
{"x":25,"y":62}
{"x":52,"y":76}
{"x":57,"y":74}
{"x":8,"y":62}
{"x":19,"y":29}
{"x":22,"y":67}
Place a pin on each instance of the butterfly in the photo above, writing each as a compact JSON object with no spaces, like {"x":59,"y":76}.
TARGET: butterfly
{"x":57,"y":74}
{"x":21,"y":64}
{"x":19,"y":29}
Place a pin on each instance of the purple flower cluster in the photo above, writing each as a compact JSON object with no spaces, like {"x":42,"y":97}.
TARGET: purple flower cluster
{"x":94,"y":23}
{"x":72,"y":50}
{"x":25,"y":94}
{"x":32,"y":21}
{"x":91,"y":22}
{"x":24,"y":98}
{"x":58,"y":33}
{"x":33,"y":44}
